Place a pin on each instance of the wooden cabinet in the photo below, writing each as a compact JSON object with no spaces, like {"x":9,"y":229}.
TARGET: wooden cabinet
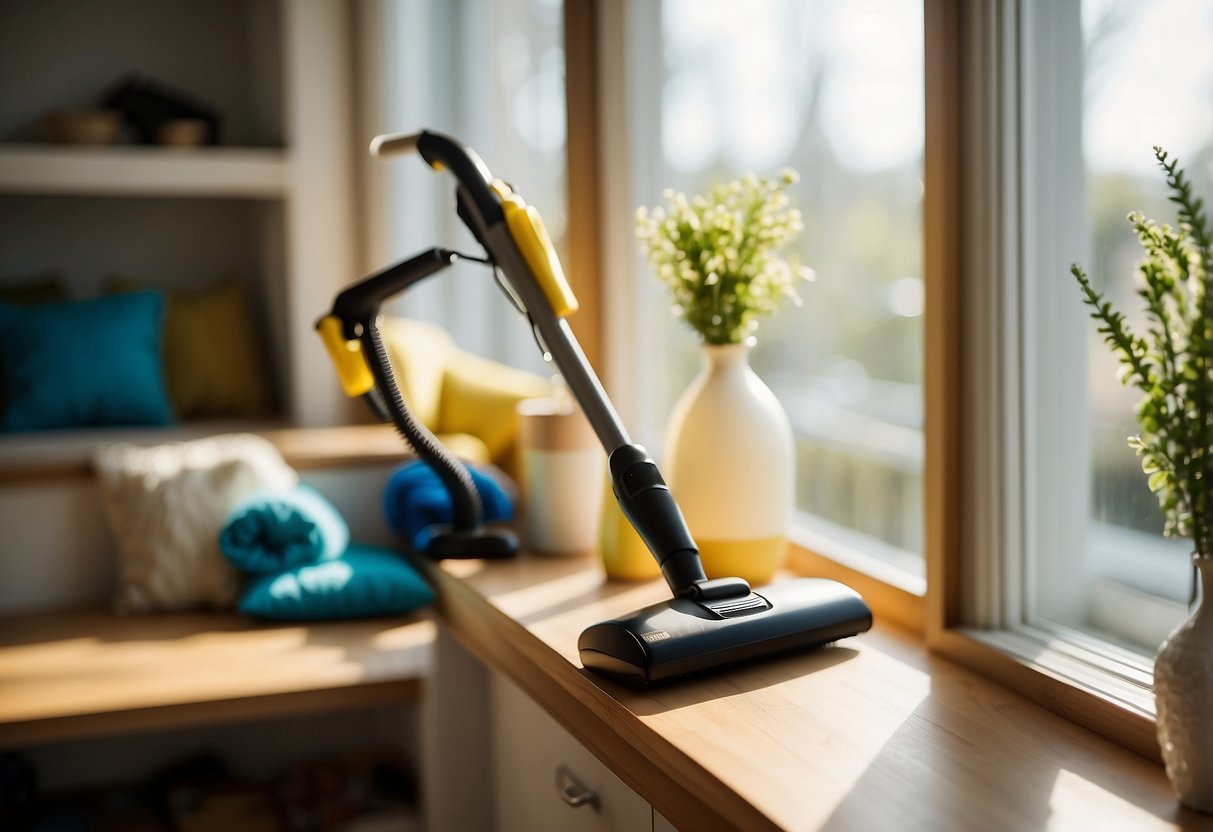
{"x":273,"y":204}
{"x":491,"y":757}
{"x":546,"y":780}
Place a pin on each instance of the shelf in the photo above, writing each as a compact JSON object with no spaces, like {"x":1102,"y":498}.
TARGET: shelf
{"x":143,"y":171}
{"x":88,"y":672}
{"x":32,"y":457}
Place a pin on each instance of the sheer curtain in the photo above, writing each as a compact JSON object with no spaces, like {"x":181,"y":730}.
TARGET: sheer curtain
{"x":490,"y":73}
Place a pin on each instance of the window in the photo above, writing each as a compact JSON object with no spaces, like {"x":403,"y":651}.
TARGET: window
{"x":1055,"y":108}
{"x":835,"y":90}
{"x":491,"y":75}
{"x":1148,"y":79}
{"x":1099,"y":84}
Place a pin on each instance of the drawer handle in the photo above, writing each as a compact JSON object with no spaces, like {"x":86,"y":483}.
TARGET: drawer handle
{"x":572,"y":792}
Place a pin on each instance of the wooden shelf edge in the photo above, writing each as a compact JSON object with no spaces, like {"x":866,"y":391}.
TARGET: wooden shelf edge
{"x":86,"y":672}
{"x":302,"y":448}
{"x":267,"y":706}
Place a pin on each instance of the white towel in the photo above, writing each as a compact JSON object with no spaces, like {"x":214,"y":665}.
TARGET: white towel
{"x":166,"y":506}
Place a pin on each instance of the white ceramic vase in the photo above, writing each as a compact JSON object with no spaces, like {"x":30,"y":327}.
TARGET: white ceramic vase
{"x":1183,"y":693}
{"x":730,"y":462}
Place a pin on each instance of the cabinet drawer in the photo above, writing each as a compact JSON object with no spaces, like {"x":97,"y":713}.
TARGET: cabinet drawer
{"x":529,"y":749}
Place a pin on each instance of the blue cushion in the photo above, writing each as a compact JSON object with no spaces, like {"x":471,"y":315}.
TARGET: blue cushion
{"x":415,"y":500}
{"x":90,"y":363}
{"x":269,"y":531}
{"x":365,"y":581}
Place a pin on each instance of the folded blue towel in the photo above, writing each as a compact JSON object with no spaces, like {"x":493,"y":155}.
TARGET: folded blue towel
{"x":415,"y":499}
{"x":270,"y":531}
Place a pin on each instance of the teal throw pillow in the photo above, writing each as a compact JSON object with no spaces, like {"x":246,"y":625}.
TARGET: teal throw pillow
{"x":45,"y":288}
{"x":365,"y":581}
{"x":90,"y":363}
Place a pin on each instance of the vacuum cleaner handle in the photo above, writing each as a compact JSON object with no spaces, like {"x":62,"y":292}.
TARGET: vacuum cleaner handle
{"x":514,"y":235}
{"x":441,"y":152}
{"x":517,"y":241}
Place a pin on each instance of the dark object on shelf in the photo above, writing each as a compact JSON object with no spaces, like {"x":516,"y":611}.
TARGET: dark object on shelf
{"x":101,"y":809}
{"x":178,"y":789}
{"x":329,"y":793}
{"x":183,"y":132}
{"x":18,"y":788}
{"x":147,"y":105}
{"x":83,"y":127}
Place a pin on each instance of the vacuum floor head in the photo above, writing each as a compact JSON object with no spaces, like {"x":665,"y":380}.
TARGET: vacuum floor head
{"x":682,"y":637}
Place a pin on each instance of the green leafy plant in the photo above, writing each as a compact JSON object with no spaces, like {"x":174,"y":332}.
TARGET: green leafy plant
{"x":717,"y":253}
{"x":1172,"y":362}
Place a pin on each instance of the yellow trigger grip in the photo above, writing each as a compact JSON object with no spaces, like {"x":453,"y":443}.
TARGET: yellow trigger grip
{"x":352,"y":369}
{"x":531,"y":237}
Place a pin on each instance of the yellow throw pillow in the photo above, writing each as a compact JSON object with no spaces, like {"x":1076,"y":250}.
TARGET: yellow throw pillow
{"x":479,"y":397}
{"x":419,"y":353}
{"x":212,"y":360}
{"x":466,"y":447}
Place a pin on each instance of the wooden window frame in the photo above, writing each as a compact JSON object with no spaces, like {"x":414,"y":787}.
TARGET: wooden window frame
{"x":584,"y":151}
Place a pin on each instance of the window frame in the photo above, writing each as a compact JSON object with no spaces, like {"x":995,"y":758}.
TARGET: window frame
{"x":975,"y":105}
{"x":969,"y":170}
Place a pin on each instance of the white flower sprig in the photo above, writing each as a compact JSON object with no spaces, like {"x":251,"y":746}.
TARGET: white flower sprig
{"x":717,"y":254}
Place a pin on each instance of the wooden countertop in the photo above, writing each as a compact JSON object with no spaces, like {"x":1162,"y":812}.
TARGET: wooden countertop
{"x":88,"y":672}
{"x":872,"y":733}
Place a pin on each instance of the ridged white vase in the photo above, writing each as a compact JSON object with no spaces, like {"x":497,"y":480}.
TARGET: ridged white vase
{"x":1183,"y":694}
{"x":730,"y":462}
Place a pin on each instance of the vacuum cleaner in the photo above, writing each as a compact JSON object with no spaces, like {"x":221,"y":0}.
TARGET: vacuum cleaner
{"x":707,"y":624}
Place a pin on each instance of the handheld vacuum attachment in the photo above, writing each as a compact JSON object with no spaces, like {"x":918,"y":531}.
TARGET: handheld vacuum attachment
{"x":708,"y":623}
{"x":351,"y":335}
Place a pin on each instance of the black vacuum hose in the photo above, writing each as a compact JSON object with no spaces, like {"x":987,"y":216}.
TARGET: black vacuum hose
{"x":465,"y":500}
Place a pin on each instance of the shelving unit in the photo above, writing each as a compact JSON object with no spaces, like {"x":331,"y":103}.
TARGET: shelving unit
{"x":86,"y":693}
{"x":273,"y":203}
{"x":258,"y":173}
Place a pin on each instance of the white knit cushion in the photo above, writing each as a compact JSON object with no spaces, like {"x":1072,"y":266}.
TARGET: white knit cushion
{"x":166,"y":505}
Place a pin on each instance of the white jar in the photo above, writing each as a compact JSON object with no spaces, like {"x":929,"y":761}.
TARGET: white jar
{"x":562,"y":469}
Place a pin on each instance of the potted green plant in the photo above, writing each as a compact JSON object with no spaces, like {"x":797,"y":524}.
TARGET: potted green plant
{"x":730,"y":458}
{"x":1171,"y":363}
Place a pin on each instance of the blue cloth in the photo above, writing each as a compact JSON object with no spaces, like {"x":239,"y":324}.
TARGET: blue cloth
{"x":365,"y":581}
{"x":415,"y":499}
{"x":87,"y":363}
{"x":270,"y":531}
